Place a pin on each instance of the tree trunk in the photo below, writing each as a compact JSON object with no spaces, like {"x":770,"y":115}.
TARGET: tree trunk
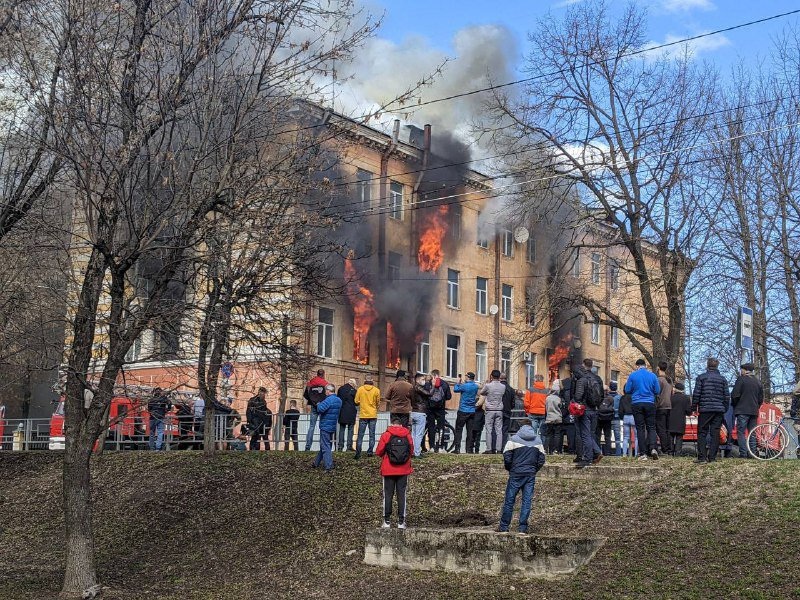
{"x":79,"y":574}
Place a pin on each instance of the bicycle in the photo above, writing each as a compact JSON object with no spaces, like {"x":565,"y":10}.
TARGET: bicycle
{"x":771,"y":439}
{"x":445,"y":437}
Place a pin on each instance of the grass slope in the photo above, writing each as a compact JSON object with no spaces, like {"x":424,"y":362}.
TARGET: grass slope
{"x":178,"y":525}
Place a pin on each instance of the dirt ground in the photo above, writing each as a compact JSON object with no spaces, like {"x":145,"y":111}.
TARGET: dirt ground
{"x":265,"y":525}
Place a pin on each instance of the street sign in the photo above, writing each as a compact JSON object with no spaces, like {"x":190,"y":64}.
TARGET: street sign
{"x":744,"y":328}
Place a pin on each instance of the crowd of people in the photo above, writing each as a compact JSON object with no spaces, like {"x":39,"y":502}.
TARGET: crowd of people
{"x":578,"y":414}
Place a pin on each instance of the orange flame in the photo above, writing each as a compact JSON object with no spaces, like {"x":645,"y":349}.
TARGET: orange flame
{"x":430,"y":255}
{"x":560,"y":352}
{"x":392,"y":348}
{"x":364,"y":313}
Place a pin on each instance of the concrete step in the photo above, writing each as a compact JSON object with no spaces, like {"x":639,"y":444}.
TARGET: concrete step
{"x":479,"y":550}
{"x":602,"y":471}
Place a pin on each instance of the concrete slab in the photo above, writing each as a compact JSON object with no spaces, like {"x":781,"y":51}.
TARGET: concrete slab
{"x":479,"y":550}
{"x":599,"y":472}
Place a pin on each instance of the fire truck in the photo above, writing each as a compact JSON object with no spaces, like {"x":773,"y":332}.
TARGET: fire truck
{"x":728,"y":435}
{"x":128,"y":420}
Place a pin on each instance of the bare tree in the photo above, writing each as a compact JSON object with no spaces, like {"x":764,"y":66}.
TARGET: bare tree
{"x":617,"y":128}
{"x":156,"y":141}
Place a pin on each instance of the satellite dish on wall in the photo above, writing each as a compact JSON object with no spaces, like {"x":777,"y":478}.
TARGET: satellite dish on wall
{"x":521,"y":234}
{"x":494,"y":309}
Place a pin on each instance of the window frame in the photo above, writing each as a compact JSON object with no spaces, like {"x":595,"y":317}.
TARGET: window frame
{"x":451,"y":355}
{"x":453,"y":300}
{"x":506,"y":364}
{"x":455,"y":216}
{"x":530,"y":371}
{"x":615,"y":337}
{"x":396,"y":209}
{"x":364,"y":188}
{"x":613,"y":274}
{"x":575,"y":270}
{"x":327,"y":331}
{"x":596,"y":268}
{"x":530,"y":249}
{"x":424,"y":354}
{"x":506,"y":303}
{"x":481,"y":361}
{"x":595,"y":331}
{"x":508,"y":243}
{"x":482,"y":294}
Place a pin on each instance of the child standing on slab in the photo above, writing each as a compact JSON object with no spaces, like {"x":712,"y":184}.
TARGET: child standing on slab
{"x":523,"y":456}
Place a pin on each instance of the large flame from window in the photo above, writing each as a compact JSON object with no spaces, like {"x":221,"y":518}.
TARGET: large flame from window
{"x":434,"y":228}
{"x":392,"y":348}
{"x":560,"y":352}
{"x":364,"y":313}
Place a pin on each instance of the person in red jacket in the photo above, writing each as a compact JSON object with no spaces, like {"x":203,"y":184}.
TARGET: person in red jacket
{"x":396,"y":446}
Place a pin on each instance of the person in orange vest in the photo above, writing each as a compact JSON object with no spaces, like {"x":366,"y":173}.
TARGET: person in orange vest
{"x":535,"y":403}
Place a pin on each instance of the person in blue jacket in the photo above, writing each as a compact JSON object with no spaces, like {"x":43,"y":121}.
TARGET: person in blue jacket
{"x":643,"y":387}
{"x":523,"y":456}
{"x":328,"y":411}
{"x":466,"y":411}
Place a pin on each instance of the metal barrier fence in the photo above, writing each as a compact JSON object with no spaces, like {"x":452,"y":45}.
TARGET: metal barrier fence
{"x":24,"y":434}
{"x":180,"y":433}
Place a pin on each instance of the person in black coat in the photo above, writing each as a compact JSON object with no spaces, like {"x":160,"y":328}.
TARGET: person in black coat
{"x":259,"y":420}
{"x":681,"y":408}
{"x":712,"y":399}
{"x":747,"y":397}
{"x":347,"y":414}
{"x":509,"y":396}
{"x":567,"y":420}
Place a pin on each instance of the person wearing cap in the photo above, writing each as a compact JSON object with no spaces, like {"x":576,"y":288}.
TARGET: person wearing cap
{"x":747,"y":397}
{"x":328,"y":411}
{"x":313,"y":394}
{"x":644,"y":388}
{"x":681,"y":408}
{"x":400,"y":397}
{"x":367,"y":399}
{"x":466,"y":411}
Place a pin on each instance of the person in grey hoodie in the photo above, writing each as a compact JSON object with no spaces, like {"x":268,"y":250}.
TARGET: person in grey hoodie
{"x":493,"y":390}
{"x":552,"y":420}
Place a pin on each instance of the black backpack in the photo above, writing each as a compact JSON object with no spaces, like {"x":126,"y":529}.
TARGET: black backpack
{"x":593,"y":392}
{"x":605,"y":411}
{"x":398,"y":450}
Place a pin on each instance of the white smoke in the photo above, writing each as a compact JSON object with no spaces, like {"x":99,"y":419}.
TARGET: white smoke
{"x":382,"y":70}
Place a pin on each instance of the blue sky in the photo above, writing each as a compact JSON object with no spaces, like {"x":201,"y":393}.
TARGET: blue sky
{"x":439,"y":20}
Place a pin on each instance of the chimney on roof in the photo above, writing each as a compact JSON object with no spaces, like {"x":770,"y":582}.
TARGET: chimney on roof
{"x":416,"y":136}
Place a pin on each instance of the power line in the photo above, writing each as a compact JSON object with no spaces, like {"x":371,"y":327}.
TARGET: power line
{"x":617,"y":57}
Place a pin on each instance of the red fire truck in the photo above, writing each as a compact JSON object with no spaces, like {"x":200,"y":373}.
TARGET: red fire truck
{"x":128,"y":421}
{"x":767,"y":413}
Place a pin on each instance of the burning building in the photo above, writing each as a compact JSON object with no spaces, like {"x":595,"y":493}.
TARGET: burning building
{"x":433,"y":283}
